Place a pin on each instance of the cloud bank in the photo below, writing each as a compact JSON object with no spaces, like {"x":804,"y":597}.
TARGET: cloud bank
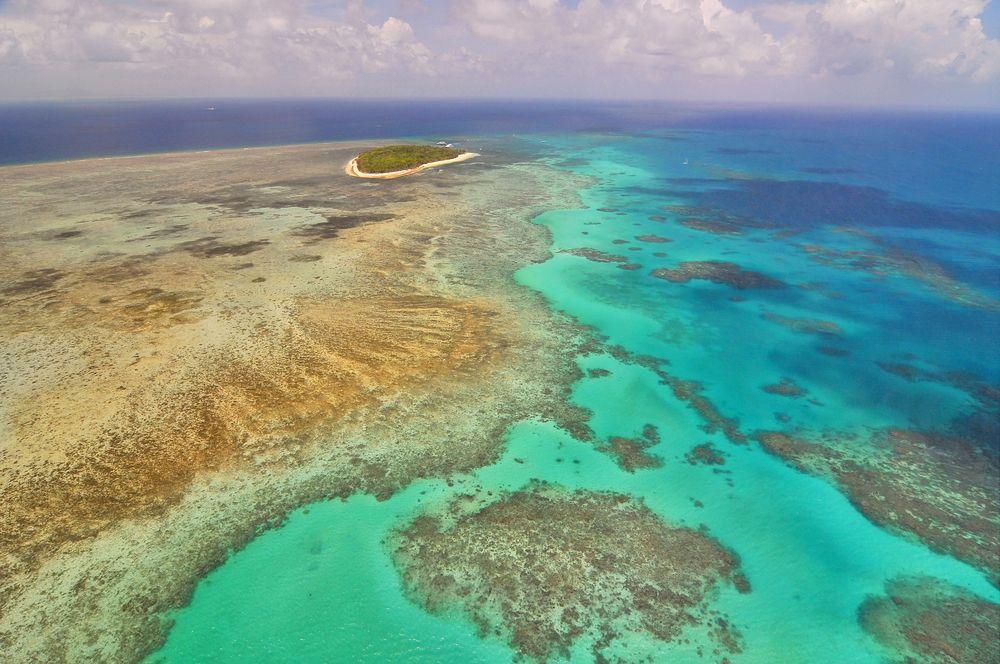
{"x":865,"y":50}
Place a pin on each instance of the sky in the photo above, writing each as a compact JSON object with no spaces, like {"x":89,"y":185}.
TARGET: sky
{"x":940,"y":53}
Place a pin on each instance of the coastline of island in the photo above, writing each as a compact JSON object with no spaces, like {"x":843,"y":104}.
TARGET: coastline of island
{"x":352,"y":167}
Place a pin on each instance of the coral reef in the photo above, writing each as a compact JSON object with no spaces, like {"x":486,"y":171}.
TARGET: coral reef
{"x":630,"y":453}
{"x":719,"y":272}
{"x":545,"y":567}
{"x":938,"y":488}
{"x":921,"y":619}
{"x":786,"y":387}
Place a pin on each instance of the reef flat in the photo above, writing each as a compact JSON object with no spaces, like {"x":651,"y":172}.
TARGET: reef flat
{"x":192,"y":345}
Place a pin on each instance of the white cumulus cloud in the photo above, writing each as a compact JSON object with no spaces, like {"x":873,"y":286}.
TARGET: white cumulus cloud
{"x":499,"y":47}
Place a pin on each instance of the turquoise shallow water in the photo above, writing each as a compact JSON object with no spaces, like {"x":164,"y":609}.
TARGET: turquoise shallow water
{"x":322,"y":586}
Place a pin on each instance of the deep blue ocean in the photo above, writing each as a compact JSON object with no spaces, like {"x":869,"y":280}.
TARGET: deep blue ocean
{"x":833,"y":275}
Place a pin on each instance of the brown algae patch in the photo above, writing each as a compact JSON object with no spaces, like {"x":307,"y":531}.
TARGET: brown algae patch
{"x":939,"y":488}
{"x":718,"y":272}
{"x":546,"y":566}
{"x":921,"y":619}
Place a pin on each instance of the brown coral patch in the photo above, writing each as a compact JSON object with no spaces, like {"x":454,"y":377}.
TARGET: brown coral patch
{"x":596,"y":256}
{"x":709,"y":226}
{"x":923,"y":619}
{"x":630,"y":453}
{"x":705,"y":454}
{"x":654,"y":239}
{"x":805,"y":325}
{"x":546,"y":567}
{"x":786,"y":387}
{"x":719,"y":272}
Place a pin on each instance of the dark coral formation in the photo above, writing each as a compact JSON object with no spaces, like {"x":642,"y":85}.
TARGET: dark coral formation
{"x":546,"y":567}
{"x":805,"y":325}
{"x":655,"y":239}
{"x":595,"y":255}
{"x":939,"y":488}
{"x":786,"y":387}
{"x":885,"y":259}
{"x":211,"y":247}
{"x":921,"y":619}
{"x":710,"y":226}
{"x":982,"y":424}
{"x":33,"y":281}
{"x":630,"y":453}
{"x":987,"y":395}
{"x":335,"y":224}
{"x":799,"y":205}
{"x":808,"y":204}
{"x":833,"y":351}
{"x":705,"y":454}
{"x":630,"y":266}
{"x":719,"y":272}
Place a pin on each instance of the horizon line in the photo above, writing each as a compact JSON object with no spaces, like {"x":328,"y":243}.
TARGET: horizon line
{"x":692,"y":103}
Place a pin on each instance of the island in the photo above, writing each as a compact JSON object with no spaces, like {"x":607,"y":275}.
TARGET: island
{"x":394,"y":161}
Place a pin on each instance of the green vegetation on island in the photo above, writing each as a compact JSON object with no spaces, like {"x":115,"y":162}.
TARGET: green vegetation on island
{"x":401,"y":157}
